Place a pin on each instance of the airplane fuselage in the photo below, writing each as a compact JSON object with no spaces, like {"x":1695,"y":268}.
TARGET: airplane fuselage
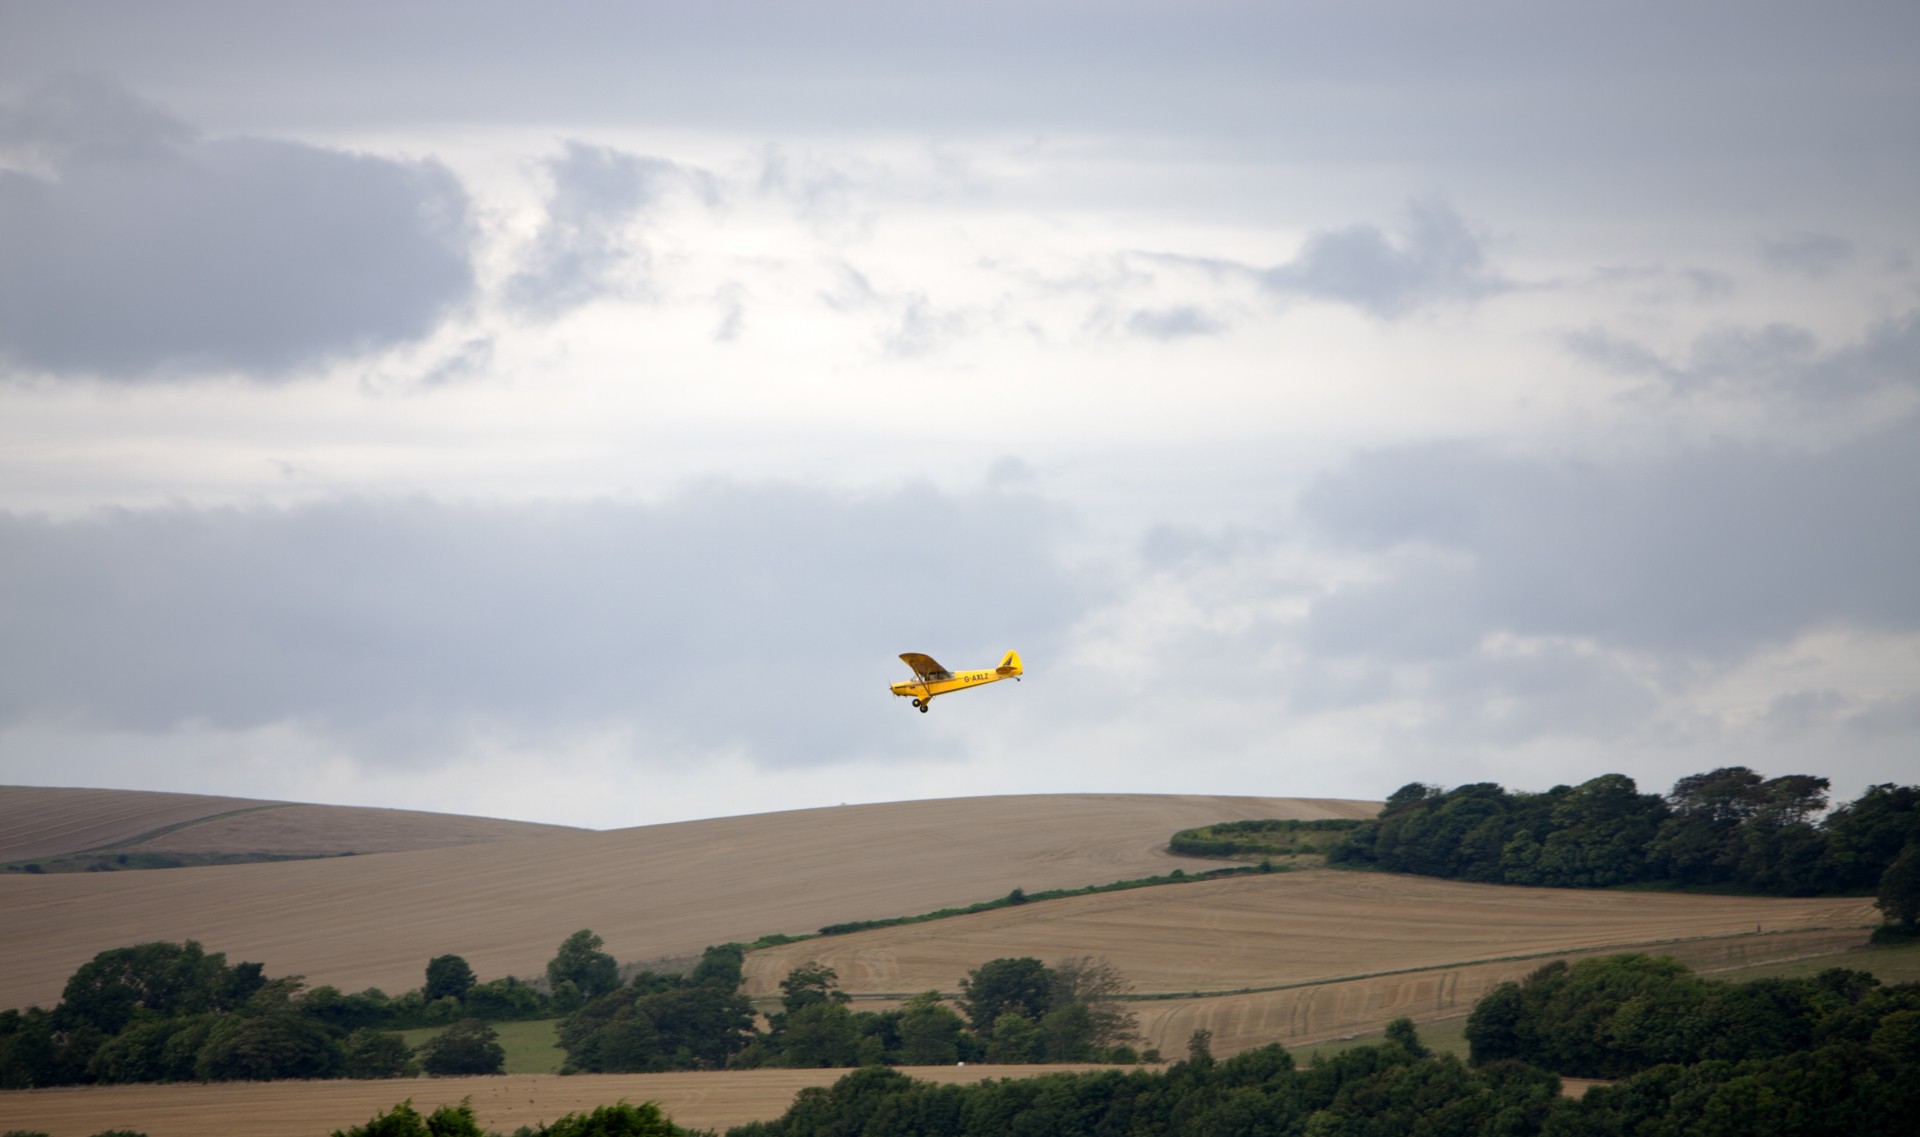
{"x":931,"y":679}
{"x":927,"y":689}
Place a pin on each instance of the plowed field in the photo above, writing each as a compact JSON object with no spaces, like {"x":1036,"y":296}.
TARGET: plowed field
{"x":37,"y":821}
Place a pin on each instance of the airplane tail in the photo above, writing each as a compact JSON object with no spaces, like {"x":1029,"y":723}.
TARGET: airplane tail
{"x":1010,"y":665}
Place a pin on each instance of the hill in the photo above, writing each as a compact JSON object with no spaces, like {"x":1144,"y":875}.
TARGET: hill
{"x":651,"y":892}
{"x":42,"y":823}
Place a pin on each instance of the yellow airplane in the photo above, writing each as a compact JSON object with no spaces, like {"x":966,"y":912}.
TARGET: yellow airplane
{"x":930,"y":679}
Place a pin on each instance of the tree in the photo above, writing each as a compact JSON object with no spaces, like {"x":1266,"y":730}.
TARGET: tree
{"x":164,"y":978}
{"x":1899,"y":894}
{"x":1402,"y":1031}
{"x":929,"y":1032}
{"x":448,"y":977}
{"x":581,"y":962}
{"x":622,"y":1120}
{"x":1015,"y":1040}
{"x":467,"y":1047}
{"x":405,"y":1121}
{"x":1022,"y":986}
{"x":377,"y":1054}
{"x":810,"y":983}
{"x":266,"y":1047}
{"x":1097,"y":984}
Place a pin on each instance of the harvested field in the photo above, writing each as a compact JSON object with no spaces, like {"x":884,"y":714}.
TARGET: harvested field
{"x":661,"y":890}
{"x":328,"y":830}
{"x":314,"y":1109}
{"x":1351,"y":950}
{"x":40,"y":821}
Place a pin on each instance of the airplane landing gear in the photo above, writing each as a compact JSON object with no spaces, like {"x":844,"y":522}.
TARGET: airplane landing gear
{"x":923,"y":708}
{"x":919,"y":704}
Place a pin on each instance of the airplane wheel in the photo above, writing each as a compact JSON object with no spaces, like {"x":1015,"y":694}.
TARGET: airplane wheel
{"x":920,"y":704}
{"x":923,"y":708}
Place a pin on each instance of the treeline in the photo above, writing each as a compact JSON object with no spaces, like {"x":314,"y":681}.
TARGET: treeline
{"x":1728,"y":828}
{"x":165,"y":1012}
{"x":1021,"y":896}
{"x":1016,"y":1011}
{"x":1266,"y":837}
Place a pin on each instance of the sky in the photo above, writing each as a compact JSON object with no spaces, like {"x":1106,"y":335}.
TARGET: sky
{"x":570,"y":412}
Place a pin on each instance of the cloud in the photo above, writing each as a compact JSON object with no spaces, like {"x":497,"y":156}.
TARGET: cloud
{"x":1179,"y":322}
{"x":762,"y":620}
{"x":1773,"y":359}
{"x":1706,"y":554}
{"x":140,"y":250}
{"x":1436,"y":258}
{"x":585,"y":242}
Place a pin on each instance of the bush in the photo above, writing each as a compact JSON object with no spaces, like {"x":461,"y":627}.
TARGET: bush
{"x":405,"y":1121}
{"x":378,"y":1054}
{"x":466,"y":1047}
{"x":622,"y":1120}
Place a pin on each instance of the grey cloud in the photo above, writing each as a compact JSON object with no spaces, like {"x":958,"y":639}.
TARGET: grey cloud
{"x":1179,"y":322}
{"x":149,"y":252}
{"x":765,"y":618}
{"x":1436,"y":258}
{"x":1704,"y":555}
{"x":1776,"y":358}
{"x":584,"y":243}
{"x":1809,"y":254}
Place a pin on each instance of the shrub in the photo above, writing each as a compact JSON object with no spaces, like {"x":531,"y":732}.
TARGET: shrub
{"x":466,"y":1047}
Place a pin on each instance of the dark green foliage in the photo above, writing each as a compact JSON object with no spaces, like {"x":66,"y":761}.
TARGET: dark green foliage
{"x":404,"y":1121}
{"x":810,"y":983}
{"x":157,"y":1050}
{"x":929,"y":1032}
{"x":581,"y":966}
{"x":1899,"y":894}
{"x":1727,"y":827}
{"x":664,"y":1022}
{"x":262,"y":1047}
{"x":1022,"y":986}
{"x":622,"y":1120}
{"x":1615,"y":1016}
{"x":161,"y":978}
{"x":1273,"y":837}
{"x":467,"y":1047}
{"x":448,"y":977}
{"x":377,"y":1054}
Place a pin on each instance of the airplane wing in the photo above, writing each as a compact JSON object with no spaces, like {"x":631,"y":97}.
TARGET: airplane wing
{"x":925,"y":667}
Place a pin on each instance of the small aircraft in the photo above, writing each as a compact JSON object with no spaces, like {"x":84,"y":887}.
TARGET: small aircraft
{"x":930,"y":679}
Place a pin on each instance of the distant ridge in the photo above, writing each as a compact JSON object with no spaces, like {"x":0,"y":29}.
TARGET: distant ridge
{"x":46,"y":822}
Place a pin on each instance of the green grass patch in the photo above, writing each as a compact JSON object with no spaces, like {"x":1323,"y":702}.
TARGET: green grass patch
{"x":532,"y":1045}
{"x":1890,"y":965}
{"x":1445,"y":1036}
